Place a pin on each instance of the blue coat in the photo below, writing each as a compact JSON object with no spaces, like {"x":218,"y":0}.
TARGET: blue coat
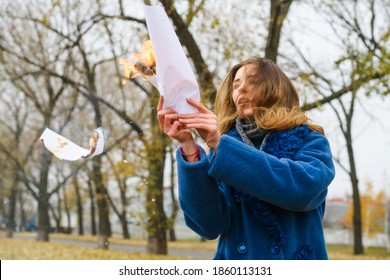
{"x":262,"y":204}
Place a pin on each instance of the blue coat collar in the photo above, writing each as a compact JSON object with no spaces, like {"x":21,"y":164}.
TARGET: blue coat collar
{"x":282,"y":143}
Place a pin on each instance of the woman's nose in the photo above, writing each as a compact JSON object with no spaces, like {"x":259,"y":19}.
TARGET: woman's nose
{"x":242,"y":88}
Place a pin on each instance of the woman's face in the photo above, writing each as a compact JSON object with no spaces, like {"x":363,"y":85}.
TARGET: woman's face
{"x":244,"y":90}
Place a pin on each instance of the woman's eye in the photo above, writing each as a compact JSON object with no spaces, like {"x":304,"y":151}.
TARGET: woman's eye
{"x":252,"y":81}
{"x":236,"y":86}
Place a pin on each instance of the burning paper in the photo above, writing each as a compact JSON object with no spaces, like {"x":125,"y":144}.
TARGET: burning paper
{"x":142,"y":63}
{"x":65,"y":149}
{"x":169,"y":70}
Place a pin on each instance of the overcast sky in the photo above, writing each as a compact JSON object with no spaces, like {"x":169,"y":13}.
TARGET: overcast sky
{"x":371,"y":123}
{"x":371,"y":145}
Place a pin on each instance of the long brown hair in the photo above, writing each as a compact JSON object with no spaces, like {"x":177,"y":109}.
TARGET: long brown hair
{"x":277,"y":102}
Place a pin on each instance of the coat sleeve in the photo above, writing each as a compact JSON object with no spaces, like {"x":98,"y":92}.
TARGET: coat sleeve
{"x":298,"y":184}
{"x":204,"y":204}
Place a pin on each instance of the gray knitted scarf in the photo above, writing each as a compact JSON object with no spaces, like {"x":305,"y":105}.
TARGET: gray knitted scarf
{"x":250,"y":132}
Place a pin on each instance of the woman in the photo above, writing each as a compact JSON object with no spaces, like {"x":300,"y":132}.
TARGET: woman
{"x":262,"y":187}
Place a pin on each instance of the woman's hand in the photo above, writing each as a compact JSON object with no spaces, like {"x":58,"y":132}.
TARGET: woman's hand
{"x":205,"y":123}
{"x":169,"y":124}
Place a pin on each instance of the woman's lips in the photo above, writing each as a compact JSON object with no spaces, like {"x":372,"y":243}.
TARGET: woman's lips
{"x":242,"y":102}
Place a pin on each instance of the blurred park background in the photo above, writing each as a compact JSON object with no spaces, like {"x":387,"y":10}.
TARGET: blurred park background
{"x":60,"y":69}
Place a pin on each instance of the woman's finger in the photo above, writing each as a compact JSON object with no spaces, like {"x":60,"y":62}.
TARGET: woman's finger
{"x":197,"y":116}
{"x":169,"y":119}
{"x":198,"y":105}
{"x":161,"y":116}
{"x":188,"y":122}
{"x":160,"y":103}
{"x":203,"y":126}
{"x":174,"y":129}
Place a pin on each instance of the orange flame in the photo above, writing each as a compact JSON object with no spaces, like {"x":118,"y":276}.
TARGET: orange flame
{"x":93,"y":140}
{"x":140,"y":63}
{"x":92,"y":143}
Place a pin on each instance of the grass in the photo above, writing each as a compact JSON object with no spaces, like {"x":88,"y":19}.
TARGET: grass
{"x":21,"y":249}
{"x":345,"y":252}
{"x":24,"y":249}
{"x":187,"y":244}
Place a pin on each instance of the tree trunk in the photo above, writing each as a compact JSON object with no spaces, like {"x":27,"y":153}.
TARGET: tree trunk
{"x":79,"y":206}
{"x":156,"y":219}
{"x":171,"y":230}
{"x":12,"y":209}
{"x":43,"y":200}
{"x":357,"y":217}
{"x":43,"y":217}
{"x":23,"y":220}
{"x":58,"y":218}
{"x":97,"y":176}
{"x":156,"y":223}
{"x":278,"y":13}
{"x":103,"y":204}
{"x":125,"y":226}
{"x":67,"y":212}
{"x":174,"y":205}
{"x":92,"y":206}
